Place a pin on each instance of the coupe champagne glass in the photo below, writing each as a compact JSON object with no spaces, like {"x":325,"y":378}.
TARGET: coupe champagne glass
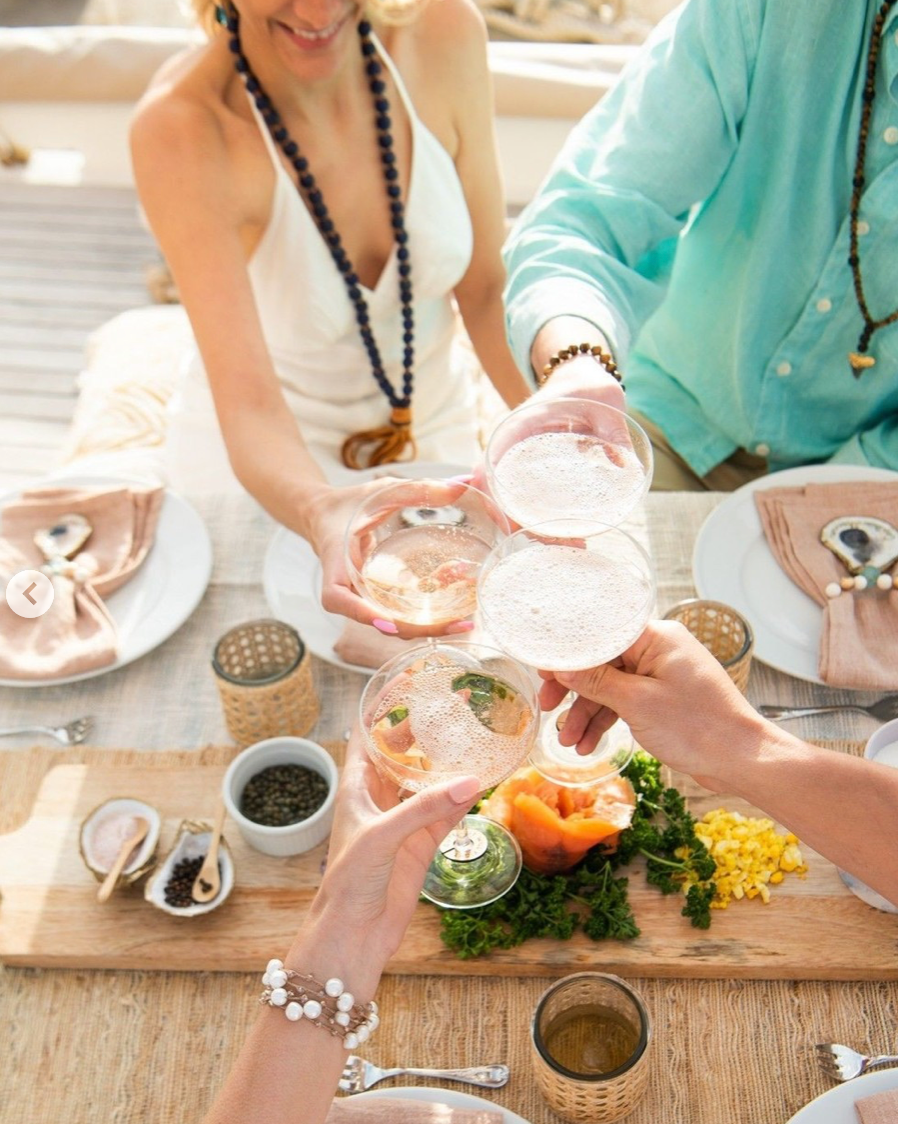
{"x":442,"y":710}
{"x":413,"y":548}
{"x":567,"y":595}
{"x":568,"y":459}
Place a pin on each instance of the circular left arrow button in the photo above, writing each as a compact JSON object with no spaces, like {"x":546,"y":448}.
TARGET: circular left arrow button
{"x":29,"y":593}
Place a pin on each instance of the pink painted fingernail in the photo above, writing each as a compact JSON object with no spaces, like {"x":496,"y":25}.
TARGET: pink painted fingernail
{"x":464,"y":789}
{"x":385,"y":626}
{"x":465,"y":478}
{"x":460,"y":626}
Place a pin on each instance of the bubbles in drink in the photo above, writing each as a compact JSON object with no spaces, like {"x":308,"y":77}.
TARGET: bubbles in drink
{"x":565,"y":608}
{"x":441,"y":718}
{"x":426,"y":574}
{"x":574,"y":475}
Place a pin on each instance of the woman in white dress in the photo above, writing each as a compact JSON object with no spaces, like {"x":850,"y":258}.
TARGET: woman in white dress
{"x":325,"y":190}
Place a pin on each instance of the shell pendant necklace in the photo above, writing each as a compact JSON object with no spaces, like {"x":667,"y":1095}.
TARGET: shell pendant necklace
{"x":860,"y":361}
{"x":395,"y":440}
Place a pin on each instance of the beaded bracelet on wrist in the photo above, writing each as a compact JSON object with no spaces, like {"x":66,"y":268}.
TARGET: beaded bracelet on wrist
{"x":601,"y":356}
{"x":328,"y":1005}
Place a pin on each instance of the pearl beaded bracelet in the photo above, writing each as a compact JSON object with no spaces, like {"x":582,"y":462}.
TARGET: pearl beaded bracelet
{"x":328,"y":1005}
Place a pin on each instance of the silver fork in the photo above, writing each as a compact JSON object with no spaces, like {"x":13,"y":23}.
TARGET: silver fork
{"x":842,"y":1063}
{"x":884,"y":710}
{"x":359,"y":1075}
{"x":73,"y":733}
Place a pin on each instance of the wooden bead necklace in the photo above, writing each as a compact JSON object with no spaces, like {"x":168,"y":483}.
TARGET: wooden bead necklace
{"x":860,"y":360}
{"x":395,"y":438}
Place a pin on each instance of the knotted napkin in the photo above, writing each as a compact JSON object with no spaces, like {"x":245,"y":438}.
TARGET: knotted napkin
{"x":859,"y":639}
{"x":880,"y":1108}
{"x":77,"y":633}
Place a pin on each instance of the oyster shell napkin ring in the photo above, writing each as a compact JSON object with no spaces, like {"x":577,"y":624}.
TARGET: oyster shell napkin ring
{"x":867,"y":547}
{"x":328,"y":1005}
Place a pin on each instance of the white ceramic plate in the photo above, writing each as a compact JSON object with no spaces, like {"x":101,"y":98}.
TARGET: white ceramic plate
{"x":291,"y":574}
{"x":836,"y":1106}
{"x":441,"y":1096}
{"x":733,"y":563}
{"x":163,"y":592}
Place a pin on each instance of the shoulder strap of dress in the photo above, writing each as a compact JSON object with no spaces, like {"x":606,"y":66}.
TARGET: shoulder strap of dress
{"x":266,"y":135}
{"x":396,"y":76}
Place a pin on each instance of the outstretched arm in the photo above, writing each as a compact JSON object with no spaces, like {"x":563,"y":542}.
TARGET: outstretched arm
{"x":683,"y":708}
{"x":379,"y":853}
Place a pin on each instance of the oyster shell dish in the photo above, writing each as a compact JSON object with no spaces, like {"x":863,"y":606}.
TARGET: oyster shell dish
{"x":105,"y":830}
{"x":192,"y":842}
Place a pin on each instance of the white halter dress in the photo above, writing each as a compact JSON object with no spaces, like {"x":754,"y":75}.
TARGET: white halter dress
{"x":309,"y":326}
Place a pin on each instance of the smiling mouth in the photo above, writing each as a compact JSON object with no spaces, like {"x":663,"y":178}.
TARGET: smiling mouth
{"x":311,"y":37}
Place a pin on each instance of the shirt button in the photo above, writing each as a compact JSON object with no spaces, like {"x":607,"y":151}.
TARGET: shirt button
{"x":863,"y":227}
{"x":784,"y":368}
{"x":824,"y":304}
{"x":890,"y":136}
{"x":762,"y":450}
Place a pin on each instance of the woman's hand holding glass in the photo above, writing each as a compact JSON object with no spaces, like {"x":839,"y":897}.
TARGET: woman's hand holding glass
{"x":413,"y":549}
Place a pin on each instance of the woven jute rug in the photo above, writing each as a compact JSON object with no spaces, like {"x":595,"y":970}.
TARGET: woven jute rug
{"x":109,"y":1047}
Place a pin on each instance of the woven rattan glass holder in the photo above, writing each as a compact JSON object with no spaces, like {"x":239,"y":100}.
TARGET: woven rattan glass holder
{"x":724,"y":632}
{"x":592,"y":1093}
{"x":264,"y":677}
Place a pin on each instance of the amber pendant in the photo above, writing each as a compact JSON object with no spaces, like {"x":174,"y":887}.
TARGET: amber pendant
{"x":860,"y":363}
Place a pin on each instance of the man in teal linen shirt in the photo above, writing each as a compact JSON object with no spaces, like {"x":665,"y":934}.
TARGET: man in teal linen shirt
{"x":697,"y":222}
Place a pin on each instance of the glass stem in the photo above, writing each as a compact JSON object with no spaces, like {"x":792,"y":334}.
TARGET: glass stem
{"x":462,"y":842}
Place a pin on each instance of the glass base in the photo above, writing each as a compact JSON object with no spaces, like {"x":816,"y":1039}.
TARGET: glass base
{"x":563,"y":765}
{"x":469,"y":883}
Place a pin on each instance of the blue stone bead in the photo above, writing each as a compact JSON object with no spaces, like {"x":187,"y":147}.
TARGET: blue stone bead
{"x":364,"y":28}
{"x":319,"y":210}
{"x":280,"y":135}
{"x":405,"y":269}
{"x":402,"y":253}
{"x":383,"y":121}
{"x":373,"y":67}
{"x":355,"y":293}
{"x":391,"y":173}
{"x":388,"y":157}
{"x":377,"y":86}
{"x":368,"y":48}
{"x":307,"y":181}
{"x":408,"y":337}
{"x":381,"y":105}
{"x":401,"y":237}
{"x":252,"y":85}
{"x":385,"y":141}
{"x":235,"y":47}
{"x":242,"y":66}
{"x":393,"y":190}
{"x":291,"y":148}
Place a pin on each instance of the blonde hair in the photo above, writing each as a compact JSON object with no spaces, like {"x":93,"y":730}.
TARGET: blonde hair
{"x":391,"y":12}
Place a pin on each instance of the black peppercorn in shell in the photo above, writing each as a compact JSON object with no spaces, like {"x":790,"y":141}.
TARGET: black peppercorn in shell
{"x":169,"y":887}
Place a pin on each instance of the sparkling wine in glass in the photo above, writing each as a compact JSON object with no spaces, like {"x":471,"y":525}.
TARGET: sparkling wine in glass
{"x":568,"y":459}
{"x":442,"y":710}
{"x":413,"y":548}
{"x":566,"y":596}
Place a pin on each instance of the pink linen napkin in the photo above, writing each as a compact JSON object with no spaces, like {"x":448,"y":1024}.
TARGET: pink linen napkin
{"x":77,"y":633}
{"x":880,"y":1108}
{"x":859,"y":641}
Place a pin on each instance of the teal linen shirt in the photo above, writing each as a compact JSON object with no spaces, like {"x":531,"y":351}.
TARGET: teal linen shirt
{"x":698,"y":216}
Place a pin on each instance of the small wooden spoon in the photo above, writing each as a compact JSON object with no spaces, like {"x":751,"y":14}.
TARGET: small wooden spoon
{"x":207,"y":883}
{"x":141,"y":827}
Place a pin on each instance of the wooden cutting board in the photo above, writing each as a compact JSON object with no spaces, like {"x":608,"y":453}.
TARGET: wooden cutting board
{"x":49,"y":917}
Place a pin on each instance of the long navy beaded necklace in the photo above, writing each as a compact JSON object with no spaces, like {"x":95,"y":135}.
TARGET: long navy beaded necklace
{"x":859,"y":359}
{"x":392,"y":440}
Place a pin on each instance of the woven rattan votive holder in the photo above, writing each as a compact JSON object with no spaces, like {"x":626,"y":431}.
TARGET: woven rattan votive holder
{"x":724,"y":632}
{"x":590,"y":1047}
{"x":264,"y":678}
